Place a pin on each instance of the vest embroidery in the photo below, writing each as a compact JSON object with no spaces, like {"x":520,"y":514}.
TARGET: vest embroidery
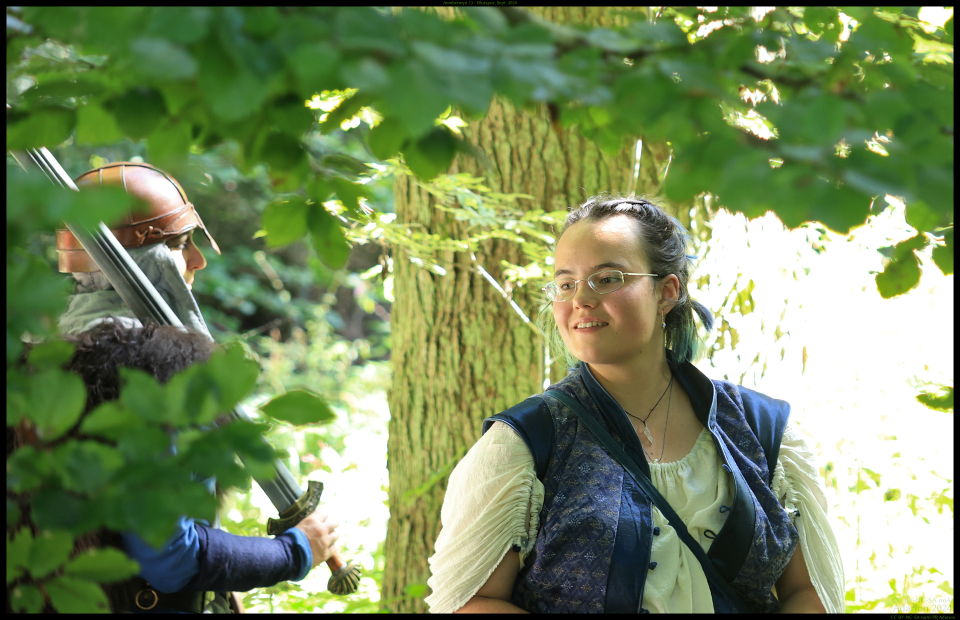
{"x":568,"y":569}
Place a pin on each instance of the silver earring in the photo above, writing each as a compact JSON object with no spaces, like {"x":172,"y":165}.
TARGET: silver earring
{"x":663,"y":320}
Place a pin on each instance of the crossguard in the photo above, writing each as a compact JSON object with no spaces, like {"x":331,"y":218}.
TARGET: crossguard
{"x":345,"y":576}
{"x":299,"y":511}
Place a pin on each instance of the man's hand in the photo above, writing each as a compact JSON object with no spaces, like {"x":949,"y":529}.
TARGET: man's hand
{"x":320,"y":532}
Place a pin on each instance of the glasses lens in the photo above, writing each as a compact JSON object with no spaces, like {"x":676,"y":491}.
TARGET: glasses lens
{"x":559,"y":290}
{"x":606,"y":281}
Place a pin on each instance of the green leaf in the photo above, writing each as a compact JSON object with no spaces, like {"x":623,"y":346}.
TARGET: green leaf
{"x":170,"y":143}
{"x":27,"y":467}
{"x":144,"y":444}
{"x":94,"y":204}
{"x":415,"y":97}
{"x":319,"y":189}
{"x":179,"y":24}
{"x":44,"y":126}
{"x":199,"y":402}
{"x":212,"y":453}
{"x":56,"y":509}
{"x":17,"y":393}
{"x":69,"y":595}
{"x":57,"y":399}
{"x":817,"y":18}
{"x":840,"y":209}
{"x":299,"y":407}
{"x":942,"y":400}
{"x":51,"y":353}
{"x":315,"y":65}
{"x":943,"y":254}
{"x":150,"y":513}
{"x":110,"y":420}
{"x":488,"y":18}
{"x":921,"y":217}
{"x":328,"y":238}
{"x":143,"y":395}
{"x":232,"y":91}
{"x":291,"y":116}
{"x":365,"y":74}
{"x":47,"y":298}
{"x":344,"y":164}
{"x":139,"y":112}
{"x":285,"y":220}
{"x":18,"y":554}
{"x":346,"y":110}
{"x":349,"y":194}
{"x":49,"y":550}
{"x":158,"y":58}
{"x":105,"y":565}
{"x":282,"y":152}
{"x":261,"y":21}
{"x":235,"y":371}
{"x":26,"y":599}
{"x":431,"y":154}
{"x":177,"y":95}
{"x":96,"y":126}
{"x":899,"y":276}
{"x":365,"y":30}
{"x":86,"y":466}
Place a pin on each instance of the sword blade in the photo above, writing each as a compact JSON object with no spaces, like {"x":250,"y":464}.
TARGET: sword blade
{"x":145,"y":301}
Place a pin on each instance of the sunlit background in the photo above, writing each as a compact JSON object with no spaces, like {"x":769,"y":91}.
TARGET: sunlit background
{"x":851,"y":365}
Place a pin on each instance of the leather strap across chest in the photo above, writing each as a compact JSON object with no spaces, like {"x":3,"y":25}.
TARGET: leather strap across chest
{"x":658,"y":500}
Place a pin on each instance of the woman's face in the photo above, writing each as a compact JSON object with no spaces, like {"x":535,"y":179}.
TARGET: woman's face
{"x":187,"y":256}
{"x":630,"y":315}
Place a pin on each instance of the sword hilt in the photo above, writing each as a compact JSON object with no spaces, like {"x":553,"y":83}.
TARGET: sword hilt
{"x":298,"y":511}
{"x":345,"y":576}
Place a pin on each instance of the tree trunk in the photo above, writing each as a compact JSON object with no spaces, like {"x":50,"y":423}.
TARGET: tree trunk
{"x":460,"y":352}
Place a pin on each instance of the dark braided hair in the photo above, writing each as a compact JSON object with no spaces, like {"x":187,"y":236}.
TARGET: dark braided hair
{"x":664,"y":241}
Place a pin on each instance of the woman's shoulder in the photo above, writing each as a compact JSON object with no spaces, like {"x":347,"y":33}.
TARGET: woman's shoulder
{"x":751,"y":403}
{"x":532,"y":421}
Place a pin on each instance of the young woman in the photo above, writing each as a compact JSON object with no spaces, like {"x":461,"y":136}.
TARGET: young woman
{"x":541,"y":517}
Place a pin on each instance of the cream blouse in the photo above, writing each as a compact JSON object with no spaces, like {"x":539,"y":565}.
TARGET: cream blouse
{"x":494,"y":499}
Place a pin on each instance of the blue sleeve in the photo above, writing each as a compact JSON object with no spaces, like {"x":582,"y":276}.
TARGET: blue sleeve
{"x":175,"y":564}
{"x":240,"y":563}
{"x":197,"y":557}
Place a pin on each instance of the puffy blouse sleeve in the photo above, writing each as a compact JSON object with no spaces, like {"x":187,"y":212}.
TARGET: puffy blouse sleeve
{"x":798,"y":486}
{"x":492,"y":504}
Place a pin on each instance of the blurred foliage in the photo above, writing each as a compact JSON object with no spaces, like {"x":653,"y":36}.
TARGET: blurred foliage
{"x":820,"y":112}
{"x":857,"y":104}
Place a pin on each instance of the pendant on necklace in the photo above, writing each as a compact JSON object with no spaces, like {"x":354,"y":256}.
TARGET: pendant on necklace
{"x":646,"y":433}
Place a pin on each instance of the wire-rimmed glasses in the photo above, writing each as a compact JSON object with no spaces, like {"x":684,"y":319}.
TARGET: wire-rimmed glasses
{"x":602,"y":282}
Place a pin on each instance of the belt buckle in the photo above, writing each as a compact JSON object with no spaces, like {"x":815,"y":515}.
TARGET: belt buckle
{"x":148,"y":591}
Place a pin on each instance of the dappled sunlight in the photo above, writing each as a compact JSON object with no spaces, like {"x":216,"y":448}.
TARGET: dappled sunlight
{"x":851,"y":365}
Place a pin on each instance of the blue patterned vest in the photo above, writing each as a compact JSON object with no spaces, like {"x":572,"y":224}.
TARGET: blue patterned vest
{"x":592,"y":551}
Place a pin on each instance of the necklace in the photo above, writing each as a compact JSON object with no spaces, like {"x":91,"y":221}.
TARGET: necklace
{"x":646,"y":429}
{"x":663,"y":442}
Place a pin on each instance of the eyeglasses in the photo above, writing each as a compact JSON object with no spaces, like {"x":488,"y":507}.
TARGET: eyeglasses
{"x":602,"y":282}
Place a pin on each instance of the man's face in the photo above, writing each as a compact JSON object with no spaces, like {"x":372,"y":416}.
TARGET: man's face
{"x":187,"y":256}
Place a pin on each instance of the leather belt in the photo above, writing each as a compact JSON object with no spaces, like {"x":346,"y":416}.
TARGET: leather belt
{"x":148,"y":598}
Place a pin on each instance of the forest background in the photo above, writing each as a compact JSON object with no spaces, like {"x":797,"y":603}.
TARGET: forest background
{"x":386,"y":184}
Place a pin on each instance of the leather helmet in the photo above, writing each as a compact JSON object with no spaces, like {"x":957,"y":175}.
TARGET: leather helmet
{"x":164,"y":212}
